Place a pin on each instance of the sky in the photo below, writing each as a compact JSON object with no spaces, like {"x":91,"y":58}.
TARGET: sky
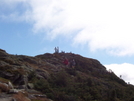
{"x":99,"y":29}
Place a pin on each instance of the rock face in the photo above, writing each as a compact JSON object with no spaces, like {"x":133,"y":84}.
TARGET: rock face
{"x":46,"y":77}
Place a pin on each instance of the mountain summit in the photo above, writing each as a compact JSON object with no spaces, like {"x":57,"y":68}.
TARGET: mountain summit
{"x":59,"y":77}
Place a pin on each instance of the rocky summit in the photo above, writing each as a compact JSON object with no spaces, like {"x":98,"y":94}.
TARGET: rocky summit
{"x":59,"y":77}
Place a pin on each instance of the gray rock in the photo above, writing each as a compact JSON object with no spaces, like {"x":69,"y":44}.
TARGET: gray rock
{"x":13,"y":91}
{"x":30,"y":85}
{"x":7,"y":99}
{"x":10,"y":85}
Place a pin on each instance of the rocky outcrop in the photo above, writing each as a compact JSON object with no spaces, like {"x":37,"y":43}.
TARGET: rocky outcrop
{"x":3,"y":53}
{"x":17,"y":69}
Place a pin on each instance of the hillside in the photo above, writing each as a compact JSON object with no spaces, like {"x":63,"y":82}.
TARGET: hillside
{"x":46,"y":78}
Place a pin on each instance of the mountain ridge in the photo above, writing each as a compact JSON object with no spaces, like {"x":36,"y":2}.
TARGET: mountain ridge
{"x":88,"y":80}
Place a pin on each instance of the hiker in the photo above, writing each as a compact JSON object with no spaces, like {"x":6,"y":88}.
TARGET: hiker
{"x":120,"y":76}
{"x":66,"y":62}
{"x":56,"y":49}
{"x":72,"y":63}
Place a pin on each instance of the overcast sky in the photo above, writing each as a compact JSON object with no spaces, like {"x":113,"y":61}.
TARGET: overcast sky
{"x":99,"y":29}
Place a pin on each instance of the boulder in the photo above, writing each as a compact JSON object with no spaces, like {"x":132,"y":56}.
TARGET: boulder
{"x":42,"y":73}
{"x":4,"y":87}
{"x":30,"y":85}
{"x":10,"y":85}
{"x":13,"y":91}
{"x":3,"y":53}
{"x":7,"y":99}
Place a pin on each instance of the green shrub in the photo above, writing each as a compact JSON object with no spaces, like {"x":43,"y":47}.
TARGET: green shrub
{"x":71,"y":71}
{"x":32,"y":76}
{"x":60,"y":79}
{"x":42,"y":85}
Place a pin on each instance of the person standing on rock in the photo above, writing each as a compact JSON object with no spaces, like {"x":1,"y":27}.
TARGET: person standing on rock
{"x":56,"y":49}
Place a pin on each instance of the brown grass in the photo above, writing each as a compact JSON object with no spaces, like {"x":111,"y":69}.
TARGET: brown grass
{"x":21,"y":97}
{"x":4,"y":80}
{"x":40,"y":99}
